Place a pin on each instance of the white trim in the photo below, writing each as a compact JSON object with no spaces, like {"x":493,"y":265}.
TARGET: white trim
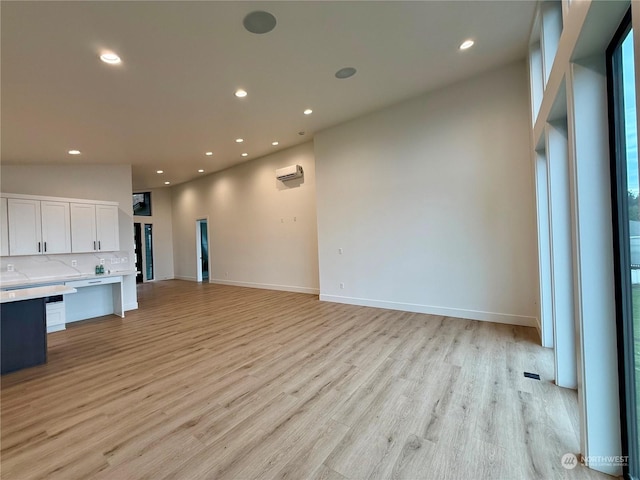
{"x":184,"y":277}
{"x":267,"y":286}
{"x":594,"y":295}
{"x":545,"y":292}
{"x":561,"y":237}
{"x":130,"y":306}
{"x":433,"y":310}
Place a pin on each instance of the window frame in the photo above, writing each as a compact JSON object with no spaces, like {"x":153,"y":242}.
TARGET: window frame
{"x":147,"y":198}
{"x":622,"y":260}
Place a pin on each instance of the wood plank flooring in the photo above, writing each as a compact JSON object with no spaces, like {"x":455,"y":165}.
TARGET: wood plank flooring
{"x":217,"y":382}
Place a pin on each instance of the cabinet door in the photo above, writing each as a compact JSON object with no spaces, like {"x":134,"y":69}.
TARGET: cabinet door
{"x":4,"y":229}
{"x":56,"y":317}
{"x":25,"y":236}
{"x":56,"y":228}
{"x":83,"y":228}
{"x":108,"y":234}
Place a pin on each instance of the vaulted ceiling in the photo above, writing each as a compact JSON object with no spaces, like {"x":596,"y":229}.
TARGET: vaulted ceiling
{"x":171,"y":99}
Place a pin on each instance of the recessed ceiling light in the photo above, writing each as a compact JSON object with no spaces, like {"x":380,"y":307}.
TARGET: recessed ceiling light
{"x":74,"y":152}
{"x":466,"y":44}
{"x":159,"y":171}
{"x":345,"y":72}
{"x":259,"y":22}
{"x":274,"y":143}
{"x":167,"y":183}
{"x":110,"y":57}
{"x":308,"y":111}
{"x":201,"y":171}
{"x":239,"y":140}
{"x":240,"y":93}
{"x":208,"y":154}
{"x":245,"y":154}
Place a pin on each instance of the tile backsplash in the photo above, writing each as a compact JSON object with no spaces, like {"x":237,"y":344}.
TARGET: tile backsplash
{"x":46,"y":267}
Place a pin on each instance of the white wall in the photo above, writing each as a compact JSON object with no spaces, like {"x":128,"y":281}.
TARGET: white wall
{"x":95,"y":182}
{"x":162,"y":232}
{"x":431,"y":201}
{"x":253,"y":237}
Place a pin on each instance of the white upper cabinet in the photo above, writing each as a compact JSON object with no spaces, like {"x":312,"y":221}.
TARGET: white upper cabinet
{"x":94,"y":228}
{"x":108,"y":233}
{"x":4,"y":229}
{"x":83,"y":228}
{"x":25,"y":233}
{"x":56,"y":227}
{"x":37,"y":227}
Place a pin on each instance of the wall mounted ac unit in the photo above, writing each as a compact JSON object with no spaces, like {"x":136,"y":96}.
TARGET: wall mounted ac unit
{"x":287,"y":173}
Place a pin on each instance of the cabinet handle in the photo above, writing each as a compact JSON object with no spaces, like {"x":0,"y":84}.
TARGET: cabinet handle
{"x":99,"y":246}
{"x":94,"y":244}
{"x":45,"y":246}
{"x":39,"y":249}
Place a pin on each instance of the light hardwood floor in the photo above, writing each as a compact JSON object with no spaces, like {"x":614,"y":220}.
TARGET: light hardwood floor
{"x":210,"y":381}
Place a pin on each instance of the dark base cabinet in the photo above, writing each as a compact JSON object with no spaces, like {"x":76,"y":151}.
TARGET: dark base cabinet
{"x":23,"y":334}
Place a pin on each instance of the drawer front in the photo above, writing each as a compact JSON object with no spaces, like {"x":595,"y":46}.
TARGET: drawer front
{"x":93,"y":281}
{"x":55,"y":315}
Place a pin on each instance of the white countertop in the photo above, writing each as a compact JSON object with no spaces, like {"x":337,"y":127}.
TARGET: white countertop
{"x":34,"y":292}
{"x":20,"y":282}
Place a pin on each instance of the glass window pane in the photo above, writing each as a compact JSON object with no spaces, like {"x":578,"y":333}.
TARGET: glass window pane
{"x":627,"y":185}
{"x":148,"y":246}
{"x":142,"y":204}
{"x":633,"y":189}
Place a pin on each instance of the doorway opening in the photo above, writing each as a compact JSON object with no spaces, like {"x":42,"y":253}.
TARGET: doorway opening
{"x":202,"y":250}
{"x":143,"y":244}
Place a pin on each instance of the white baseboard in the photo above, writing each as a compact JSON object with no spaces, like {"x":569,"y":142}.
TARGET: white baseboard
{"x":267,"y":286}
{"x":189,"y":279}
{"x":130,"y":306}
{"x":431,"y":310}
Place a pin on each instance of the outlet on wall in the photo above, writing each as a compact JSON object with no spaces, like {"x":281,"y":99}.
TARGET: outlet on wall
{"x":10,"y":267}
{"x":102,"y":261}
{"x":74,"y":263}
{"x":341,"y":285}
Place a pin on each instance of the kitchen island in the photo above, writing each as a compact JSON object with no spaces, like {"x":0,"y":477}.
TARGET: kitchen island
{"x":23,"y":326}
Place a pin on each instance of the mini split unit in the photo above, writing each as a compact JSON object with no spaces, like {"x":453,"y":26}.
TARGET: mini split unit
{"x":288,"y":173}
